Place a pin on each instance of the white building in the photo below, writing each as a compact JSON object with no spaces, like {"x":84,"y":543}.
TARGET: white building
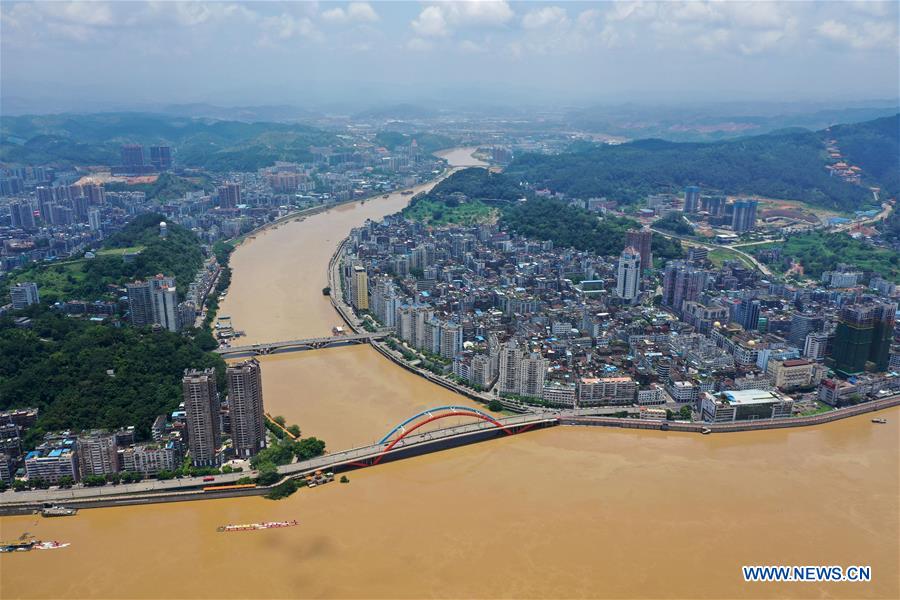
{"x":24,"y":294}
{"x":628,"y":281}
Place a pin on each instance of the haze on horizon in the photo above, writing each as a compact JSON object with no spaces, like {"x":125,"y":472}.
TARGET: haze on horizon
{"x":90,"y":56}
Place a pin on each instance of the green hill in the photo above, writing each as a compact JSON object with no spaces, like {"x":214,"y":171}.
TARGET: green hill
{"x":179,"y":254}
{"x":70,"y":139}
{"x":788,"y":164}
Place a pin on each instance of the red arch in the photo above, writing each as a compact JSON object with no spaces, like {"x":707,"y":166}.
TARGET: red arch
{"x":435,"y":418}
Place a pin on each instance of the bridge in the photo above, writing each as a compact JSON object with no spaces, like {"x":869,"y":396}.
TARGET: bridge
{"x":299,"y":345}
{"x":407,"y":439}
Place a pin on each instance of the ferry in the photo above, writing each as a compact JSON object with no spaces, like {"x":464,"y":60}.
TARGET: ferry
{"x":257,"y":526}
{"x":58,"y":511}
{"x":879,"y":421}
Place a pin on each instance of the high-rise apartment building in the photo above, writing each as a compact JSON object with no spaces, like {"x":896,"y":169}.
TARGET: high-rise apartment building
{"x":155,"y":301}
{"x":691,"y":199}
{"x":22,"y":214}
{"x":642,"y":241}
{"x":682,"y":282}
{"x":161,"y":157}
{"x":245,"y":408}
{"x":864,"y":333}
{"x":24,"y":294}
{"x":802,"y":324}
{"x":133,"y":157}
{"x":201,"y":405}
{"x":229,"y":195}
{"x":744,"y":218}
{"x":628,"y":281}
{"x":521,"y":374}
{"x":359,"y":288}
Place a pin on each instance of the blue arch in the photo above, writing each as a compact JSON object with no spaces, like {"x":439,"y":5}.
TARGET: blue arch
{"x":431,"y":410}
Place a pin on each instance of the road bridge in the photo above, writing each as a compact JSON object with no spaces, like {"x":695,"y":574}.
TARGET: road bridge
{"x":299,"y":345}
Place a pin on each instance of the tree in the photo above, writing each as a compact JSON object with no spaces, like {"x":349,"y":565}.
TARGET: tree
{"x":685,"y":412}
{"x":495,"y":405}
{"x":295,"y":430}
{"x":309,"y":448}
{"x":268,"y":474}
{"x":280,"y":420}
{"x":66,"y":481}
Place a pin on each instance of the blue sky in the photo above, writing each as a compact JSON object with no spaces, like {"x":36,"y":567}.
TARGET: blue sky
{"x":567,"y":52}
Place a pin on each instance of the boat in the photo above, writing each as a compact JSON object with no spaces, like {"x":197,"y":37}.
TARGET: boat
{"x":879,"y":421}
{"x":385,"y":196}
{"x":58,"y":511}
{"x":50,"y":545}
{"x":18,"y":546}
{"x":706,"y":431}
{"x":257,"y":526}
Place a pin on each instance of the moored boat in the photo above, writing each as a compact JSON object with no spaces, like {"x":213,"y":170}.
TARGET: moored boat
{"x":58,"y":511}
{"x":879,"y":421}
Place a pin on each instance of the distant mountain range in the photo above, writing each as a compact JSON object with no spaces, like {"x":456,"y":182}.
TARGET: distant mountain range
{"x":96,"y":139}
{"x":788,"y":164}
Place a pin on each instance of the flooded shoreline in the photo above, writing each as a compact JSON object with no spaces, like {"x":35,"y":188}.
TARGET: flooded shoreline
{"x":561,"y":512}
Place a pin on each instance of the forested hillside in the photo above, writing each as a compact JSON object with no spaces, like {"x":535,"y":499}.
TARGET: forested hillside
{"x":70,"y":139}
{"x":787,"y":164}
{"x":874,"y":146}
{"x":85,"y":375}
{"x":564,"y":225}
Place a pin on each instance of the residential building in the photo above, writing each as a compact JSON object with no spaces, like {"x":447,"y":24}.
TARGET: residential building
{"x":642,"y":240}
{"x":744,"y":218}
{"x":628,"y":281}
{"x":359,"y":288}
{"x":201,"y":405}
{"x":691,"y":199}
{"x":245,"y":408}
{"x":97,"y":453}
{"x":24,"y":294}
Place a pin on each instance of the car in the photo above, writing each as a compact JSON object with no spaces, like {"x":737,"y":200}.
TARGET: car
{"x":209,"y":479}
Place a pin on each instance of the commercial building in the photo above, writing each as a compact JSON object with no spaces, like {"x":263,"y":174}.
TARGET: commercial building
{"x":24,"y":294}
{"x":53,"y":460}
{"x":201,"y":405}
{"x":628,"y":281}
{"x":790,"y":374}
{"x":245,"y":407}
{"x":744,"y":405}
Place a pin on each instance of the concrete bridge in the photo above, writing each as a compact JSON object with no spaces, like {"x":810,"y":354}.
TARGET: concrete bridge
{"x":299,"y":345}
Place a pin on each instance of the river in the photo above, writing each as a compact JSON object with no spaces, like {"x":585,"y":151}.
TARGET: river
{"x":561,"y":512}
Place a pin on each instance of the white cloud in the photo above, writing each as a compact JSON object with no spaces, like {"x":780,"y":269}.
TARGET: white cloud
{"x":357,"y":12}
{"x":864,"y":36}
{"x":286,"y":26}
{"x":439,"y":20}
{"x":545,"y":17}
{"x":431,"y":22}
{"x":419,"y":45}
{"x":472,"y":47}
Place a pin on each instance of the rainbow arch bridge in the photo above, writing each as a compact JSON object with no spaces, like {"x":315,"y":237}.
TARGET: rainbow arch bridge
{"x":408,"y":438}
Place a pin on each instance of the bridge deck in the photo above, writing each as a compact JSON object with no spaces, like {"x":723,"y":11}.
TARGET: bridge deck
{"x":302,"y":344}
